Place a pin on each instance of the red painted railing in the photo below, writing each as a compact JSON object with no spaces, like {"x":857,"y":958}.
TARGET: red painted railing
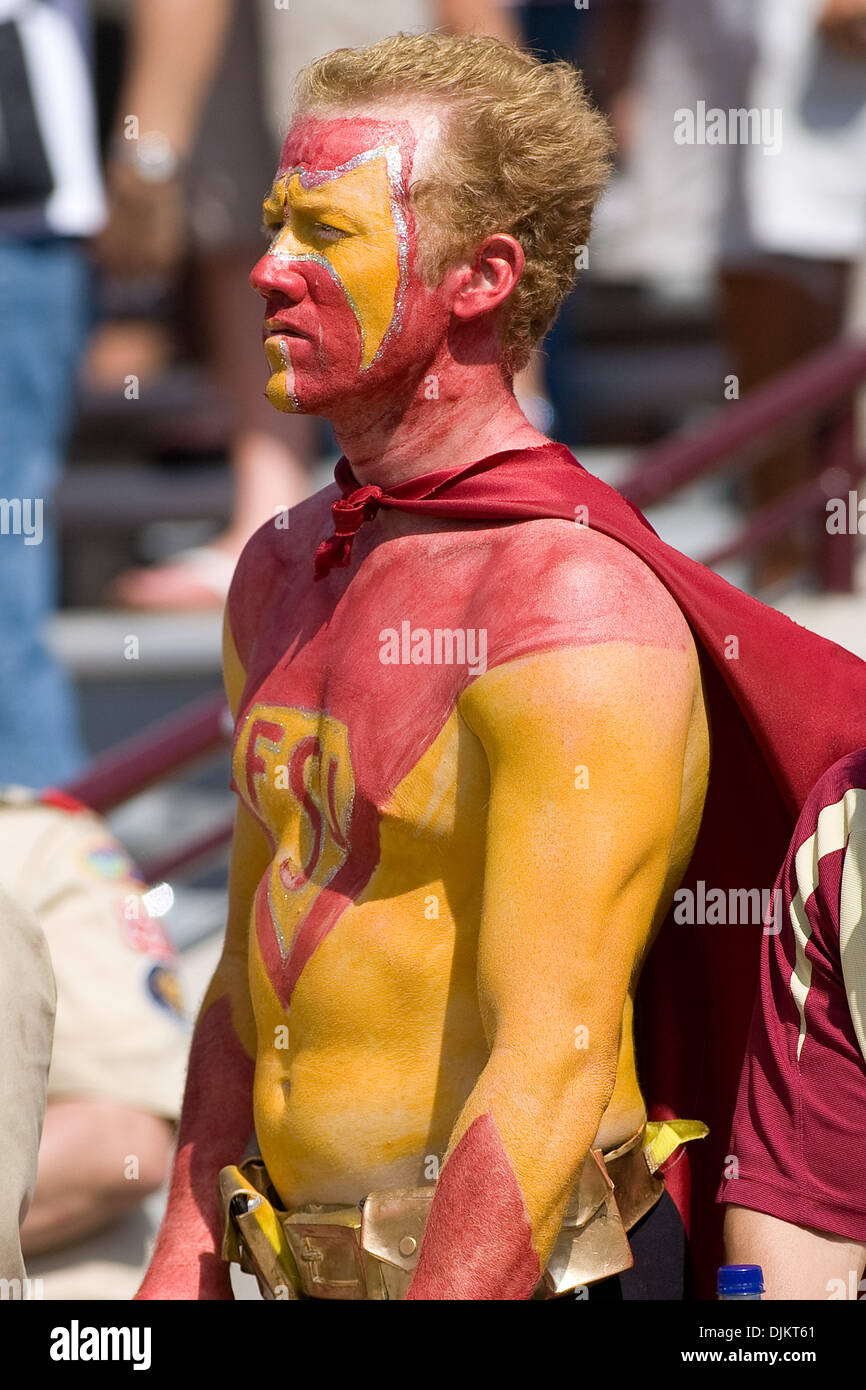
{"x":819,"y":393}
{"x":166,"y":748}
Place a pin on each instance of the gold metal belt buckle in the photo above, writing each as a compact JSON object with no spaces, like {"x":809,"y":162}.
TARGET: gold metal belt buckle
{"x":392,"y":1229}
{"x":253,"y":1235}
{"x":327,"y":1249}
{"x":367,"y":1252}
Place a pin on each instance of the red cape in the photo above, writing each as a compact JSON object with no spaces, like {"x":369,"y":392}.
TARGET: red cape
{"x":782,"y":709}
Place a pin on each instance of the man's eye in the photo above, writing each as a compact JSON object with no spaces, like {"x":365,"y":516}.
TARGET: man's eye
{"x":329,"y":233}
{"x":324,"y":231}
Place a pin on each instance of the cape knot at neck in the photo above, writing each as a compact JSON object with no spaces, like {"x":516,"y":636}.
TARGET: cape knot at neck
{"x":349,"y":512}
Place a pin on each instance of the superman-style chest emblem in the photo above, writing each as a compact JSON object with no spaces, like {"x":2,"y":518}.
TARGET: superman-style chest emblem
{"x":293,"y":769}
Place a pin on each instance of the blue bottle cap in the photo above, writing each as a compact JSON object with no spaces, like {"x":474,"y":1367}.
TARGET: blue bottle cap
{"x":740,"y":1280}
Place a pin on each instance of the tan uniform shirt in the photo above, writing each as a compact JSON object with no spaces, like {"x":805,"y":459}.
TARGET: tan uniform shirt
{"x":120,"y":1033}
{"x":27,"y":999}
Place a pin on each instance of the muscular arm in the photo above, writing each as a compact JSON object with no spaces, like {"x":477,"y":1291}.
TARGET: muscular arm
{"x":572,"y":882}
{"x":217,"y":1116}
{"x":797,"y":1262}
{"x":175,"y":46}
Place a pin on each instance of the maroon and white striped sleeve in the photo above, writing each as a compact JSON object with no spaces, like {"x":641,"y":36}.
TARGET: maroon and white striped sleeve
{"x":798,"y":1145}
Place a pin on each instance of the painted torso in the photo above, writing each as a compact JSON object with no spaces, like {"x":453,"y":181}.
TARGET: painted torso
{"x":373,"y":789}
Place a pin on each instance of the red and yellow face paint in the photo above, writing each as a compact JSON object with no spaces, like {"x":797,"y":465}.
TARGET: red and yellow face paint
{"x":338,"y":273}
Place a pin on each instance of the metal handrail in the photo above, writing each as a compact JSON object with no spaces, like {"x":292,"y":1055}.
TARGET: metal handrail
{"x":744,"y":428}
{"x":162,"y":750}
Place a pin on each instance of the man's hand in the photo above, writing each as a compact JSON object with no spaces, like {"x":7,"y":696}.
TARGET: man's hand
{"x":146,"y":232}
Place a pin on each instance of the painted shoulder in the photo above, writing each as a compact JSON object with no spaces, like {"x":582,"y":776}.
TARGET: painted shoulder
{"x":579,"y":587}
{"x":278,"y":554}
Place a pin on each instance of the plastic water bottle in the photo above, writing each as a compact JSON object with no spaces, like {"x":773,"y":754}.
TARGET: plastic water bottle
{"x":738,"y":1282}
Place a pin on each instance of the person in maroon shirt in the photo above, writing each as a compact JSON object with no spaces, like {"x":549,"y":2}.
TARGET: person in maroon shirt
{"x":795,"y":1176}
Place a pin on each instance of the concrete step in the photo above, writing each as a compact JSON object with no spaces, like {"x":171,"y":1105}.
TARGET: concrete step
{"x":100,"y":644}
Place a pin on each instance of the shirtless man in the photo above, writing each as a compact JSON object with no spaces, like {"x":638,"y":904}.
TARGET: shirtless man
{"x":471,"y":759}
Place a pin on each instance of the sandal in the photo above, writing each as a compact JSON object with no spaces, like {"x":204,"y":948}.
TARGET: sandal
{"x":194,"y":579}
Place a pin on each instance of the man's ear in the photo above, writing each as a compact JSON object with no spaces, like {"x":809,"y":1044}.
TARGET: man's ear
{"x":488,"y":282}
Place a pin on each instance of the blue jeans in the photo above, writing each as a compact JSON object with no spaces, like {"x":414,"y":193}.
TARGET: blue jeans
{"x":43,"y":318}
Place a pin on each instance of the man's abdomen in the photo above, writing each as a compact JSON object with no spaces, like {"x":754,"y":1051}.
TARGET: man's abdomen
{"x":359,"y":1085}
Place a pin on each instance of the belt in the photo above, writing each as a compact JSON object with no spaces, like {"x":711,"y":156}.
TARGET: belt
{"x":370,"y":1251}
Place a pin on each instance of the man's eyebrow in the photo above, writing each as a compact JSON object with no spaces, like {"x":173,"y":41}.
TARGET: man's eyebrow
{"x":273,"y":200}
{"x":326,"y":198}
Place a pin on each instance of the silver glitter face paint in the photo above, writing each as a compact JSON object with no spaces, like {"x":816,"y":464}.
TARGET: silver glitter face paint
{"x":315,"y":178}
{"x":290,"y":375}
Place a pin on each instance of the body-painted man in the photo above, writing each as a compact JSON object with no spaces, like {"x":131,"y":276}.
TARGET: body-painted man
{"x":471,"y":757}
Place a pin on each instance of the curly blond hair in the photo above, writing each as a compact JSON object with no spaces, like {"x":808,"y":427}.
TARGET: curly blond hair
{"x":522,"y":150}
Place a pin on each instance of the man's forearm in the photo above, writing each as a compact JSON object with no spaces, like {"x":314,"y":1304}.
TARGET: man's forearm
{"x":479,"y":1239}
{"x":83,"y":1185}
{"x":175,"y":48}
{"x":506,"y":1183}
{"x":215,"y":1127}
{"x":797,"y":1261}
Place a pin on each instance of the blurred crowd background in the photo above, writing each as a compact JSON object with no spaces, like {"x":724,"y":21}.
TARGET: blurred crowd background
{"x":132,"y":386}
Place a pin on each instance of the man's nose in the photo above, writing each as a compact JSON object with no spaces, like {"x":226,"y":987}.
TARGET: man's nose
{"x":270,"y":276}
